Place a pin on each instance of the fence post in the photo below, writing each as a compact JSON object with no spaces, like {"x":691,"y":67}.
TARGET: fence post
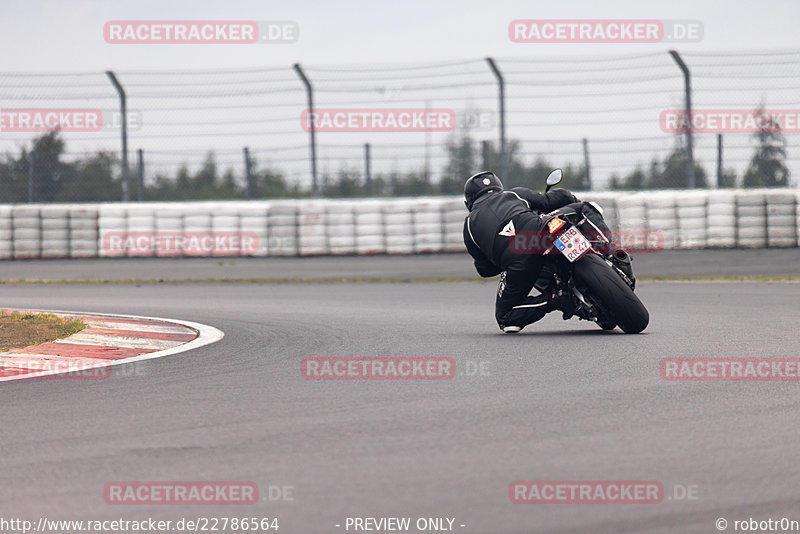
{"x":140,"y":175}
{"x":248,"y":174}
{"x":687,"y":83}
{"x":367,"y":170}
{"x":719,"y":161}
{"x":485,"y":155}
{"x":124,"y":110}
{"x":501,"y":85}
{"x":312,"y":128}
{"x":427,"y":143}
{"x":586,"y":164}
{"x":31,"y":173}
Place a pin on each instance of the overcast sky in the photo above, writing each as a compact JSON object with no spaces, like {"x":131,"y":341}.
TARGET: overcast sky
{"x":67,"y":35}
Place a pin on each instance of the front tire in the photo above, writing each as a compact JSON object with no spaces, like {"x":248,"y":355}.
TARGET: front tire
{"x":616,"y":298}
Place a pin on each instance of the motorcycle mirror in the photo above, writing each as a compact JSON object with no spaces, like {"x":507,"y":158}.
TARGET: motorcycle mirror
{"x":554,"y":178}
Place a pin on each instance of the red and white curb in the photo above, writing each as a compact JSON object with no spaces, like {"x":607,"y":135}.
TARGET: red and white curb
{"x":106,"y":341}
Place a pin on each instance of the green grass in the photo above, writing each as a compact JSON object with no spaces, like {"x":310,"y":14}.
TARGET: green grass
{"x":22,"y":329}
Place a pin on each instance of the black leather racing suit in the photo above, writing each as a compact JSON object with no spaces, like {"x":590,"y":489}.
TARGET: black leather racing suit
{"x":488,"y":238}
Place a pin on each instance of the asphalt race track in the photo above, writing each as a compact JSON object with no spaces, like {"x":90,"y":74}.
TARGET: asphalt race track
{"x":669,"y":264}
{"x":560,"y":401}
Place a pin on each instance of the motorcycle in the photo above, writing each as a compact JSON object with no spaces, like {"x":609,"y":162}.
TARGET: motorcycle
{"x":583,"y":262}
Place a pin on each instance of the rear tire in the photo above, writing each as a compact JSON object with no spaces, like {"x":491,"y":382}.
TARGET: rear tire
{"x":616,"y":298}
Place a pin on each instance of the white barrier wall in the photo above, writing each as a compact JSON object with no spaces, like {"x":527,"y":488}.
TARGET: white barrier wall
{"x":781,"y":219}
{"x":6,"y":233}
{"x":722,"y":219}
{"x":681,"y":219}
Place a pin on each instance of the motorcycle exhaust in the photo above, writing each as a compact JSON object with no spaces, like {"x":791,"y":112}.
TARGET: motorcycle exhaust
{"x":622,"y":256}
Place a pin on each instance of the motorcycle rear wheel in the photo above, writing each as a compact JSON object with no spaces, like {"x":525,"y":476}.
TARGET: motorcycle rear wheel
{"x":617,"y":299}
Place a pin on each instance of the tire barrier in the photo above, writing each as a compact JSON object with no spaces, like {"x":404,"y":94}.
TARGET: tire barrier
{"x":751,"y":219}
{"x":722,"y":220}
{"x":26,"y":227}
{"x":308,"y":227}
{"x":340,"y":227}
{"x":692,"y":217}
{"x":426,"y":216}
{"x":453,"y":213}
{"x":169,"y":219}
{"x":253,"y":226}
{"x":369,"y":227}
{"x":781,"y":219}
{"x":283,"y":229}
{"x":399,"y":227}
{"x":6,"y":233}
{"x":54,"y":222}
{"x":83,"y":231}
{"x":662,"y":216}
{"x":312,"y":234}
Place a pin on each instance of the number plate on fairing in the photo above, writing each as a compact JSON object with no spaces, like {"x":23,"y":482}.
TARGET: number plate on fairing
{"x":572,"y":244}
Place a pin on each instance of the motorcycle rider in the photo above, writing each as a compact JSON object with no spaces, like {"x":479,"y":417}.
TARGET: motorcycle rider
{"x":496,"y":215}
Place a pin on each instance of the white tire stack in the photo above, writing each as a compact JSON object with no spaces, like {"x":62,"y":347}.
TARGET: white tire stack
{"x":27,"y":231}
{"x":781,"y":219}
{"x":662,"y":217}
{"x":453,"y":214}
{"x":282,"y":229}
{"x":312,"y":233}
{"x":112,"y":227}
{"x":55,"y":230}
{"x":141,"y":227}
{"x":721,"y":219}
{"x":83,"y":236}
{"x":692,"y":208}
{"x":370,"y":235}
{"x":341,"y":226}
{"x":632,"y":222}
{"x":6,"y":233}
{"x":399,"y":226}
{"x":225,"y":230}
{"x":253,"y":227}
{"x":751,"y":219}
{"x":427,"y":217}
{"x":196,"y":225}
{"x":169,"y":225}
{"x":798,"y":217}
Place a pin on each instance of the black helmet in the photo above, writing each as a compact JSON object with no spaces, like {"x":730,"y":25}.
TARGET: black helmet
{"x":478,"y":184}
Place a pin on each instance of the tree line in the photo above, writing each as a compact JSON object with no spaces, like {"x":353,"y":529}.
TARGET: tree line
{"x":43,"y":174}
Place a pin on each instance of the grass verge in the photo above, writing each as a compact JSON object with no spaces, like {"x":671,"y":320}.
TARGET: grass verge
{"x":21,"y":329}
